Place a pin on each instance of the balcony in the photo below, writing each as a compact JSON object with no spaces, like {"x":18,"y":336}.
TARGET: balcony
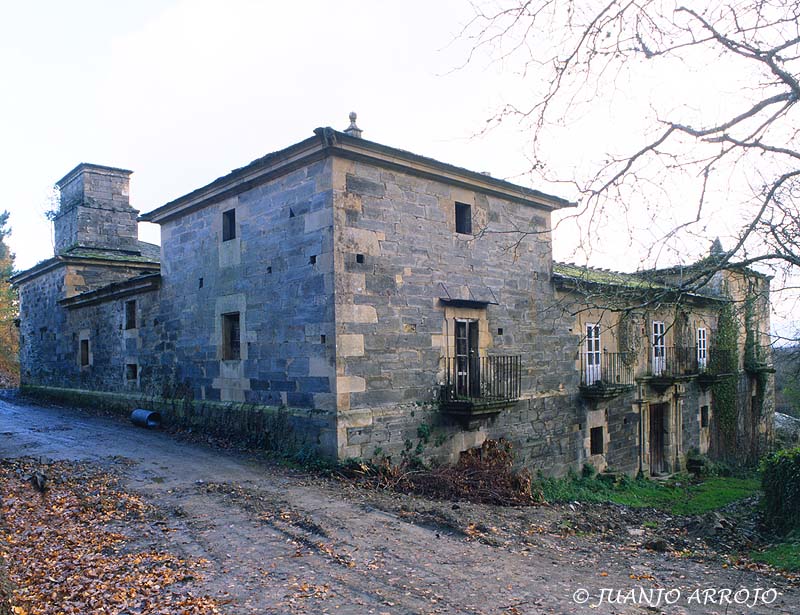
{"x":719,"y":364}
{"x":606,"y":375}
{"x":674,"y":362}
{"x":477,"y":387}
{"x":758,"y":359}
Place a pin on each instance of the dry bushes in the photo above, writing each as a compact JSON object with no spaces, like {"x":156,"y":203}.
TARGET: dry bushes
{"x":483,"y":475}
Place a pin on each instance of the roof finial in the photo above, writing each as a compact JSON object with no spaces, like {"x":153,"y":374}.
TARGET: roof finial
{"x":716,"y":248}
{"x":352,"y":129}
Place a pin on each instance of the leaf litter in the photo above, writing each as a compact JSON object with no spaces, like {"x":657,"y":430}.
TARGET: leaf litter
{"x":67,"y":544}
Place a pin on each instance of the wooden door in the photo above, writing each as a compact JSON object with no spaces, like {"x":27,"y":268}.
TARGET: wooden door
{"x":467,"y":362}
{"x":658,"y":429}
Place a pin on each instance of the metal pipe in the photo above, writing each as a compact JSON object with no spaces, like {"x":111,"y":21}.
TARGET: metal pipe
{"x":146,"y":418}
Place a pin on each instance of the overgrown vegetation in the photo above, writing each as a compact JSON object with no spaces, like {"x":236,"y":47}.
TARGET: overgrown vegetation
{"x":484,"y":475}
{"x":784,"y":555}
{"x":9,"y":309}
{"x":787,"y":380}
{"x":724,"y":390}
{"x":780,"y":479}
{"x":680,"y":495}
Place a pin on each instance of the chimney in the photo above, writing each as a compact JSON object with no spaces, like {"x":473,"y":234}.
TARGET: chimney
{"x":95,"y":210}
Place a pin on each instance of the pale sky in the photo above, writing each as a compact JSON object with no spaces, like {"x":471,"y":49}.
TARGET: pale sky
{"x":183,"y":91}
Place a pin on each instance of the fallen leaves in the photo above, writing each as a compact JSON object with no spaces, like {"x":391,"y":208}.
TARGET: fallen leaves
{"x":64,"y":556}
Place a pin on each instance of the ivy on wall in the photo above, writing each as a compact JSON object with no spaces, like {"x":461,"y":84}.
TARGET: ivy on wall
{"x":724,"y":389}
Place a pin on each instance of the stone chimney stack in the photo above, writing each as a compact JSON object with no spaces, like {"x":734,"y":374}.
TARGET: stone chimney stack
{"x":95,"y":211}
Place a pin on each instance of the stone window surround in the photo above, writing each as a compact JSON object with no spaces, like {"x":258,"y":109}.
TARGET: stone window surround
{"x":231,"y":336}
{"x":463,"y":218}
{"x":84,"y":341}
{"x":130,"y":315}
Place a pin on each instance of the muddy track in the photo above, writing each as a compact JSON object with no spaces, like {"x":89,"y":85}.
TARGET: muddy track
{"x":283,"y":541}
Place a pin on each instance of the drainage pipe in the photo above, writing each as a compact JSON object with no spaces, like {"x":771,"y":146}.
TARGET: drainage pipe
{"x":146,"y":418}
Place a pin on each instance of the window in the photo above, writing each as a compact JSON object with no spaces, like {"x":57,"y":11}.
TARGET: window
{"x":659,"y":350}
{"x":130,"y":314}
{"x":84,"y":350}
{"x":229,"y":225}
{"x":596,"y":441}
{"x":231,"y":345}
{"x":131,"y":371}
{"x":703,"y":416}
{"x":467,"y":363}
{"x":593,"y":354}
{"x":702,"y":348}
{"x":463,"y":218}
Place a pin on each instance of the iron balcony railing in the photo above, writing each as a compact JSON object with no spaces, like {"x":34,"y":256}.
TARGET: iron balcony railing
{"x":608,"y":368}
{"x":757,"y":358}
{"x":483,"y":379}
{"x":675,"y":361}
{"x":720,"y":362}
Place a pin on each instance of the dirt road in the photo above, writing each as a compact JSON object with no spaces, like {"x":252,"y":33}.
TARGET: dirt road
{"x":283,"y":541}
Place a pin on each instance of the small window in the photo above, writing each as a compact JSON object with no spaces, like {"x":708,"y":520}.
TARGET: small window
{"x":84,"y":349}
{"x":131,"y":371}
{"x":312,"y":260}
{"x":130,"y":314}
{"x":360,"y":259}
{"x":200,"y":283}
{"x":703,"y":416}
{"x":463,"y":218}
{"x":231,"y":336}
{"x":596,"y":440}
{"x":229,"y":225}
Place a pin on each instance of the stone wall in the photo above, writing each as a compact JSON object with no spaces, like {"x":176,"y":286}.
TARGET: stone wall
{"x":397,"y":254}
{"x":277,"y":275}
{"x":50,"y":344}
{"x":42,"y":330}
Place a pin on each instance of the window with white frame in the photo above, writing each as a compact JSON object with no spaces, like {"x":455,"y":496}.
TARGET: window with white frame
{"x":659,"y":348}
{"x":592,"y":373}
{"x":702,"y":347}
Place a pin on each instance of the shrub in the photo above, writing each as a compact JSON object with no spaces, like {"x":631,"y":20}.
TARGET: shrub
{"x":780,"y":479}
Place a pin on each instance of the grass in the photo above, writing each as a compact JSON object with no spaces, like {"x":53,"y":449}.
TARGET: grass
{"x":784,"y":555}
{"x":678,"y":496}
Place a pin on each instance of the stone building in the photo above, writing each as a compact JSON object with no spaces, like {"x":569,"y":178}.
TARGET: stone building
{"x":666,"y":373}
{"x":352,"y":298}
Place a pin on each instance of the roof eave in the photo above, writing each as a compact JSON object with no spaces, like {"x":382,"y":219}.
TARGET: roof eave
{"x":328,"y":142}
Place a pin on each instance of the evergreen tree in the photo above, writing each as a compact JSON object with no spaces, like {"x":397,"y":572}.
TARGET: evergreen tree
{"x":9,"y":310}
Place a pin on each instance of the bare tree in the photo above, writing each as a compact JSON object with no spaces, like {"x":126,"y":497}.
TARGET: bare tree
{"x":736,"y":153}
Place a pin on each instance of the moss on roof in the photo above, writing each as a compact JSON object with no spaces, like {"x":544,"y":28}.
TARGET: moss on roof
{"x":147,"y":255}
{"x":606,"y":277}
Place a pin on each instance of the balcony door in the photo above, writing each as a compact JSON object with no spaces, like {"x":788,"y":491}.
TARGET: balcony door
{"x":467,"y":363}
{"x":593,"y":354}
{"x":659,"y":349}
{"x":702,"y":348}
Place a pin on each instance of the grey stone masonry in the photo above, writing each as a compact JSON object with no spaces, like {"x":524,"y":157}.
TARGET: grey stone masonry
{"x":384,"y":304}
{"x":95,"y":211}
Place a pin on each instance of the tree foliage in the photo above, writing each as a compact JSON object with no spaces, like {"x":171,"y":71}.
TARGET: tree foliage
{"x":9,"y":309}
{"x":736,"y":152}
